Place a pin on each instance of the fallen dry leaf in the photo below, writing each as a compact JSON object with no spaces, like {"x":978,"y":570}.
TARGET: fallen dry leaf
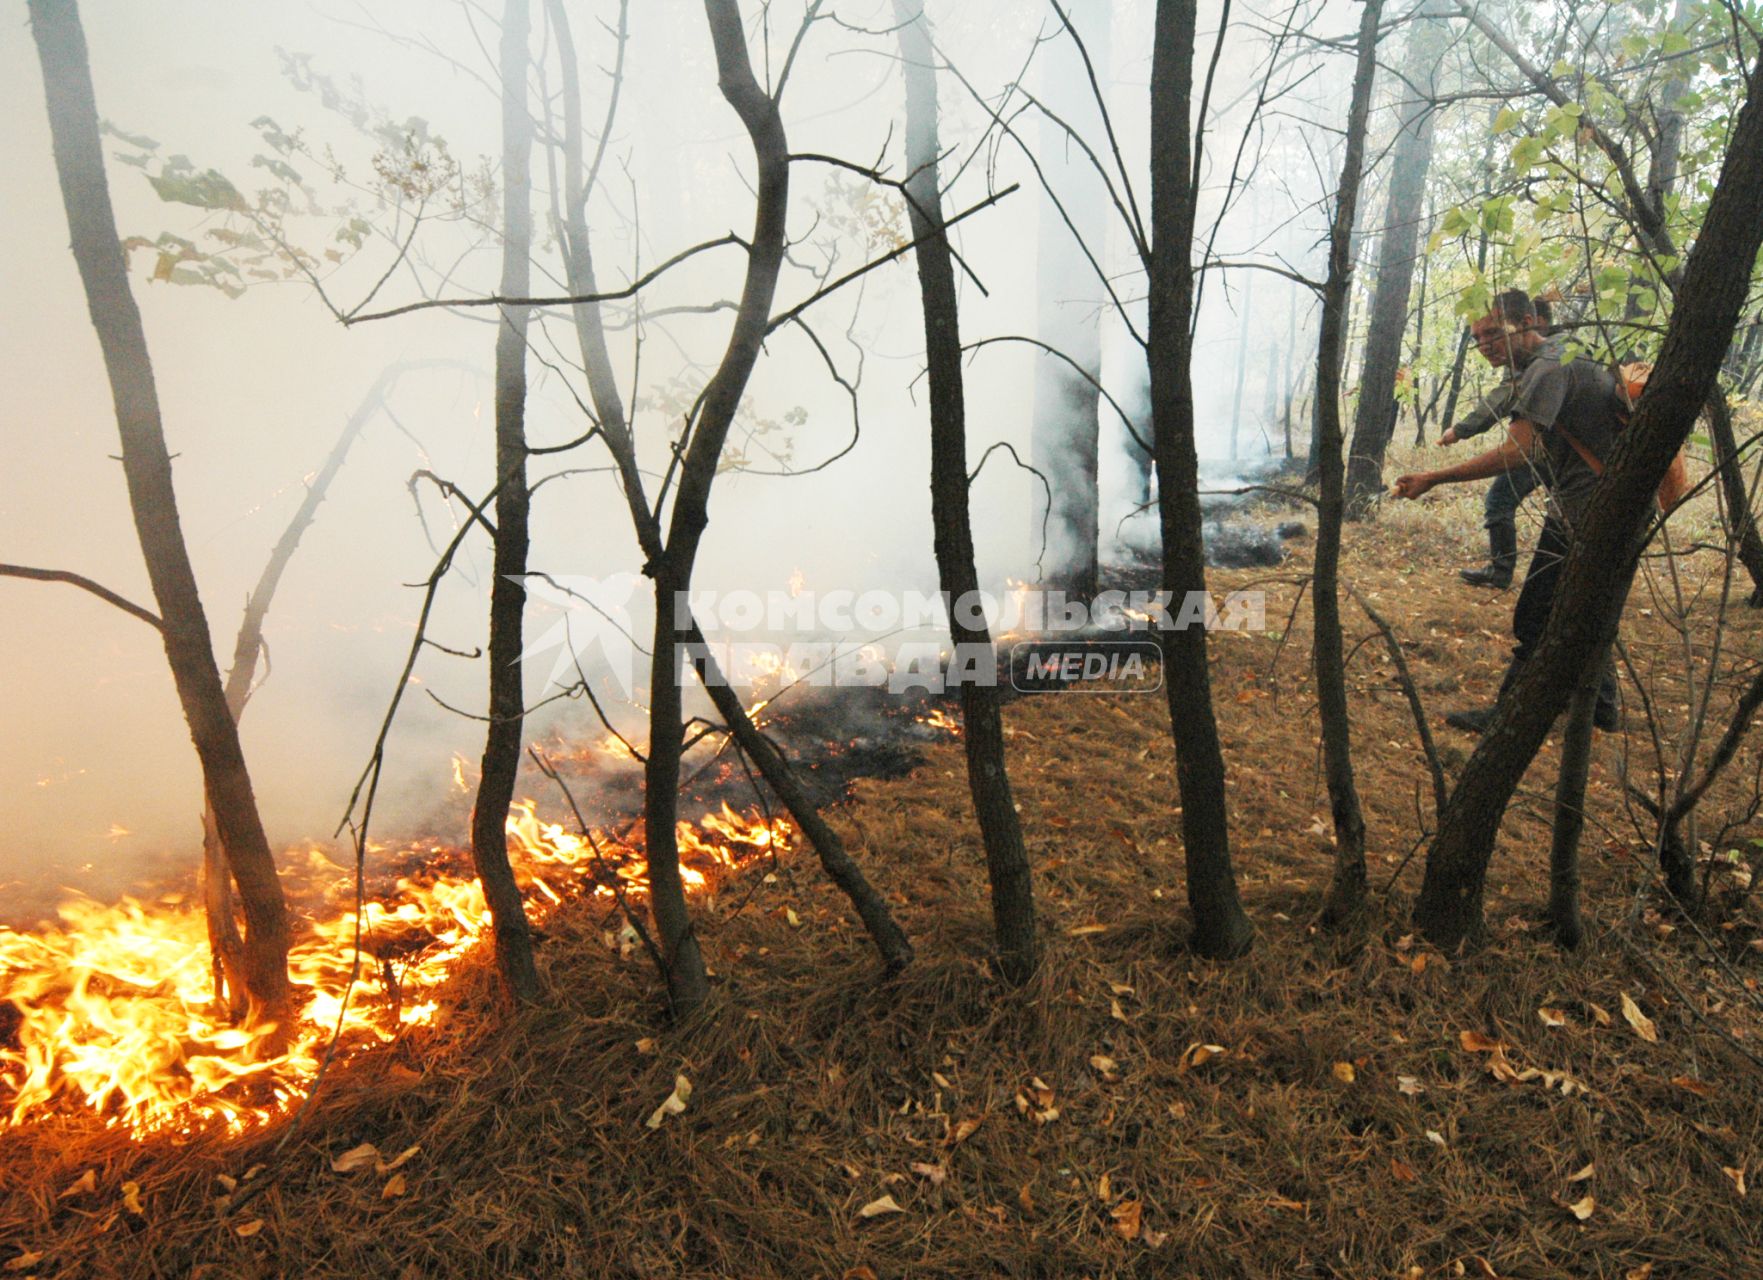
{"x":131,"y":1199}
{"x":24,"y":1261}
{"x":1600,"y":1015}
{"x":1025,"y":1198}
{"x":1105,"y":1189}
{"x":1410,"y":1085}
{"x":248,"y":1229}
{"x":1402,"y":1170}
{"x":1417,"y":966}
{"x":1642,"y":1024}
{"x":1476,"y":1042}
{"x":1127,"y":1215}
{"x":1582,"y":1209}
{"x":1551,"y":1017}
{"x":646,"y":1045}
{"x":1035,"y":1100}
{"x":1105,"y":1067}
{"x":673,"y":1104}
{"x":964,"y":1129}
{"x":1120,"y":988}
{"x":875,"y":1208}
{"x":1115,"y":1011}
{"x":1701,"y":1088}
{"x":87,"y":1182}
{"x":1738,"y":1178}
{"x":395,"y":1188}
{"x":1085,"y":930}
{"x":932,"y":1173}
{"x":1435,"y":1137}
{"x":1584,"y":1173}
{"x":363,"y":1157}
{"x":794,"y":919}
{"x":1197,"y":1055}
{"x":1343,"y":1071}
{"x":1153,"y":1239}
{"x":402,"y":1158}
{"x":228,"y":1183}
{"x":859,"y":1273}
{"x":1638,"y":1273}
{"x":942,"y":1081}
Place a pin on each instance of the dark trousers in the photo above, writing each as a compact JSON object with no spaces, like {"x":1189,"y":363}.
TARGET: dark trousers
{"x":1505,"y":494}
{"x":1530,"y":616}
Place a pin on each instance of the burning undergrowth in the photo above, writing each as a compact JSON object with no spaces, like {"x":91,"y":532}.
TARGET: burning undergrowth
{"x":110,"y":1010}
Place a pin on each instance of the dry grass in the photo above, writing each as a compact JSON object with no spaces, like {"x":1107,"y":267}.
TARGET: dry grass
{"x":1344,"y":1130}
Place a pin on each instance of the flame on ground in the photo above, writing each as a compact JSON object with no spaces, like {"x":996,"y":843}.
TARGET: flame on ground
{"x":115,"y":1011}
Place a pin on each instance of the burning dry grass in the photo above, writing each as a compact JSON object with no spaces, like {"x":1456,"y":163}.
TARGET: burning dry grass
{"x":1321,"y":1108}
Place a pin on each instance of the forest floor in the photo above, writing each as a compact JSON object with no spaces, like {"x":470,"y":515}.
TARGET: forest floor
{"x":1342,"y":1107}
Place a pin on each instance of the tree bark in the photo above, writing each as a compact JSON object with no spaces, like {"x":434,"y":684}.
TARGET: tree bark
{"x":1576,"y":760}
{"x":890,"y":940}
{"x":1007,"y":869}
{"x":688,"y":983}
{"x":79,"y":162}
{"x":1740,"y":526}
{"x":1346,"y":894}
{"x":1610,"y":536}
{"x":1220,"y":927}
{"x":1410,"y":159}
{"x":507,"y":705}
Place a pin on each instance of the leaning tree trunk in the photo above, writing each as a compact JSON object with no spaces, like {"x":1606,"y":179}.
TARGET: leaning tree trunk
{"x":1741,"y":526}
{"x":688,"y":983}
{"x":1007,"y":869}
{"x":1576,"y":760}
{"x":1220,"y":927}
{"x":1608,"y":542}
{"x":890,"y":940}
{"x":146,"y":463}
{"x":507,"y":712}
{"x":1346,"y":894}
{"x":1409,"y":161}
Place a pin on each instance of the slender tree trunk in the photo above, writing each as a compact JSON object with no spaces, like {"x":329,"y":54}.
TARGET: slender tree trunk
{"x":1270,"y":400}
{"x":1609,"y":539}
{"x":1449,"y":416}
{"x":1422,"y":408}
{"x":688,"y":983}
{"x":890,"y":940}
{"x":1576,"y":760}
{"x":1220,"y":927}
{"x":1346,"y":894}
{"x":1236,"y":399}
{"x":1740,"y":524}
{"x":507,"y":709}
{"x":1375,"y":421}
{"x":1007,"y":869}
{"x":146,"y":462}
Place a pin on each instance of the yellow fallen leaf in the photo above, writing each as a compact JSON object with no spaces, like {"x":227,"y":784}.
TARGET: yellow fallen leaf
{"x":1600,"y":1015}
{"x":794,"y":919}
{"x":395,"y":1188}
{"x":84,"y":1184}
{"x":1417,"y":966}
{"x":1476,"y":1042}
{"x":1638,"y":1273}
{"x":1738,"y":1179}
{"x":1584,"y":1173}
{"x":673,"y":1104}
{"x":131,"y":1199}
{"x":1642,"y":1024}
{"x":363,"y":1157}
{"x":1105,"y":1067}
{"x":1085,"y":930}
{"x":228,"y":1183}
{"x":1435,"y":1137}
{"x":246,"y":1230}
{"x":1582,"y":1209}
{"x":1120,"y":988}
{"x":964,"y":1129}
{"x":1343,"y":1071}
{"x":859,"y":1273}
{"x":1105,"y":1189}
{"x":646,"y":1045}
{"x":24,"y":1262}
{"x":1115,"y":1011}
{"x":1551,"y":1017}
{"x":875,"y":1208}
{"x":1025,"y":1198}
{"x":942,"y":1081}
{"x":1701,"y":1088}
{"x":932,"y":1173}
{"x":403,"y":1157}
{"x":1197,"y":1055}
{"x":1127,"y":1215}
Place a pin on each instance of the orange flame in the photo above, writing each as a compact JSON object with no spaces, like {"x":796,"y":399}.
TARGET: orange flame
{"x":116,"y":1006}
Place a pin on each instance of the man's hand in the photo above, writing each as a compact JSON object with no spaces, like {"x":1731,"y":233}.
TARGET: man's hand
{"x":1412,"y":486}
{"x":1450,"y":436}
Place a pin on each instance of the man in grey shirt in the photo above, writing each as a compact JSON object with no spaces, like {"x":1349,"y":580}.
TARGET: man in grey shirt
{"x":1556,"y":404}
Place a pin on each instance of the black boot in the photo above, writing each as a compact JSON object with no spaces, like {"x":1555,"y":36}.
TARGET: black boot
{"x":1502,"y":559}
{"x":1477,"y":719}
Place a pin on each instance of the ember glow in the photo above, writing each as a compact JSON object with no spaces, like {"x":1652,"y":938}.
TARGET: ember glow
{"x":115,"y":1007}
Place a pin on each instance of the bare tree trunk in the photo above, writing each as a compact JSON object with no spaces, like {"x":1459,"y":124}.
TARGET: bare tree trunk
{"x":890,"y":940}
{"x":1007,"y":869}
{"x":1236,"y":399}
{"x":1410,"y":159}
{"x":507,"y":708}
{"x":688,"y":983}
{"x":1609,"y":539}
{"x":79,"y":163}
{"x":1346,"y":894}
{"x":1220,"y":927}
{"x":1576,"y":759}
{"x":1740,"y":526}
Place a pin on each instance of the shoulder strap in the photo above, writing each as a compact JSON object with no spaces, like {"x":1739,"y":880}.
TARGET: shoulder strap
{"x":1585,"y":454}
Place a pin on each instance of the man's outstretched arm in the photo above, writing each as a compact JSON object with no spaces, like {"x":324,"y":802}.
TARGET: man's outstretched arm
{"x":1514,"y":451}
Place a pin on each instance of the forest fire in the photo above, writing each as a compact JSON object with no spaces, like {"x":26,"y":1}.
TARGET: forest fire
{"x":112,"y":1012}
